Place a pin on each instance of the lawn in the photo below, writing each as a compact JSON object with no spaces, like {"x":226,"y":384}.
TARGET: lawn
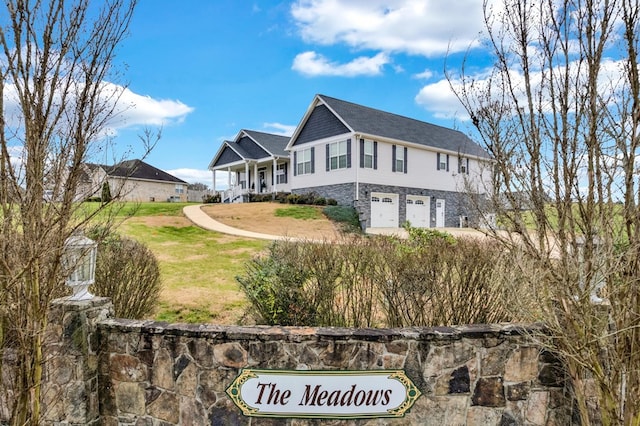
{"x":198,"y":267}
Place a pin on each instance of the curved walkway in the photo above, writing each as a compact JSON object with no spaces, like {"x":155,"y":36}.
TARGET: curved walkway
{"x":195,"y":214}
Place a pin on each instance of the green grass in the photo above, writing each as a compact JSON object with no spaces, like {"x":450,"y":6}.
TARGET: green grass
{"x":152,"y":209}
{"x":299,"y":212}
{"x":197,"y":267}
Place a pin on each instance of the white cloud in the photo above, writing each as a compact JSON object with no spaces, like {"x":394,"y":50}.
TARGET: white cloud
{"x":420,"y":27}
{"x":134,"y":110}
{"x":127,"y":109}
{"x":424,"y":75}
{"x":279,"y":129}
{"x":438,"y":99}
{"x":314,"y":64}
{"x":193,"y":175}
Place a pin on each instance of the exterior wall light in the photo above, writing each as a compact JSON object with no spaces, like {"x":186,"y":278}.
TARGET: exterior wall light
{"x":79,"y":262}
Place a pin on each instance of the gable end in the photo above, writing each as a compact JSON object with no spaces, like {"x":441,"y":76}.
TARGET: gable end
{"x":226,"y":157}
{"x":321,"y":124}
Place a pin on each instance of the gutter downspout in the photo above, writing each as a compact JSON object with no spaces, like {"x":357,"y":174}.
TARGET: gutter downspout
{"x":357,"y":166}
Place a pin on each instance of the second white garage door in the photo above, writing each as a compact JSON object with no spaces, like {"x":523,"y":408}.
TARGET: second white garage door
{"x":384,"y":210}
{"x":418,"y":211}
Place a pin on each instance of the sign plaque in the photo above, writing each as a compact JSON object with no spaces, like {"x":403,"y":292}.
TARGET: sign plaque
{"x":323,"y":394}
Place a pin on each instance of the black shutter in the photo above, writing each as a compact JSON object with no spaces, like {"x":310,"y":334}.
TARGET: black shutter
{"x":467,"y":166}
{"x":447,"y":162}
{"x":295,"y":163}
{"x":405,"y":159}
{"x":459,"y":164}
{"x":348,"y":153}
{"x":375,"y":155}
{"x":361,"y":153}
{"x":393,"y":158}
{"x":313,"y":159}
{"x":286,"y":175}
{"x":328,"y":165}
{"x":438,"y":162}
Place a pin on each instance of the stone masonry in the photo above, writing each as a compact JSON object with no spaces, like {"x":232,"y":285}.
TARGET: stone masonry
{"x":107,"y":371}
{"x":153,"y":373}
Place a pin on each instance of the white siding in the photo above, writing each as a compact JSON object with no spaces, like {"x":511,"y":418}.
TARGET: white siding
{"x":422,"y":170}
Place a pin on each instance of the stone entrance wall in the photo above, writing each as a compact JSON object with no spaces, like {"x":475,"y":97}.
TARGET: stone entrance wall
{"x":123,"y":372}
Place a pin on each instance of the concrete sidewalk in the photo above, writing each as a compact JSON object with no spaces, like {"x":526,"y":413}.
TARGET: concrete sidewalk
{"x":199,"y":218}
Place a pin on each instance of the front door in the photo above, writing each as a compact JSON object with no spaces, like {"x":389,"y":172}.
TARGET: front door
{"x":262,"y":180}
{"x":440,"y":213}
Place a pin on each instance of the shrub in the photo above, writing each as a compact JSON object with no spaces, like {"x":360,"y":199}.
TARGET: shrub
{"x":106,"y":192}
{"x":430,"y":279}
{"x":274,"y":285}
{"x":128,"y":273}
{"x":347,"y":217}
{"x":210,"y":199}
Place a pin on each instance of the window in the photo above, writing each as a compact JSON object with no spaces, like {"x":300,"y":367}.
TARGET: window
{"x":463,"y":165}
{"x":179,"y":189}
{"x":304,"y":161}
{"x":368,"y":154}
{"x":281,"y":173}
{"x":399,"y":161}
{"x":338,"y":155}
{"x":375,"y":199}
{"x":443,"y":162}
{"x":387,"y":200}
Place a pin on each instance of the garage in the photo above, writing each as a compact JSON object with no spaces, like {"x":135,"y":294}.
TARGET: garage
{"x":418,"y":211}
{"x":384,"y":210}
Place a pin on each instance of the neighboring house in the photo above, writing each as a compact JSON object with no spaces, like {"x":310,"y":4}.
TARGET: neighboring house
{"x":256,"y":162}
{"x":135,"y":180}
{"x":391,"y":168}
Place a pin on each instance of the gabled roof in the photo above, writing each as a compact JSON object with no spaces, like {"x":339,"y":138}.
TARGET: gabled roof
{"x":375,"y":123}
{"x":138,"y":169}
{"x":250,"y":145}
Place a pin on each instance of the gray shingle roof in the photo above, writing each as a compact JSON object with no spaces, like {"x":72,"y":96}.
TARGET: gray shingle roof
{"x":275,"y":144}
{"x":374,"y":122}
{"x":138,"y":169}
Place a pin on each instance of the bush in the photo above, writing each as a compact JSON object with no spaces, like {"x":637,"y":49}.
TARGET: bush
{"x":431,"y":279}
{"x":128,"y":273}
{"x":347,"y":217}
{"x":210,"y":199}
{"x":274,"y":285}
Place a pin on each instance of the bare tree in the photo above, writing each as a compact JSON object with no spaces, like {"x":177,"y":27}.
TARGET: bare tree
{"x":560,"y":113}
{"x":56,"y":103}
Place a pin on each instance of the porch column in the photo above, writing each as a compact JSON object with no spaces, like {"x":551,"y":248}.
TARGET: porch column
{"x":213,"y":172}
{"x":229,"y":177}
{"x":255,"y":178}
{"x":275,"y":177}
{"x":246,"y":176}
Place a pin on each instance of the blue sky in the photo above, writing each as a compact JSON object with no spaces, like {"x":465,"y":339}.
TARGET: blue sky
{"x":204,"y":70}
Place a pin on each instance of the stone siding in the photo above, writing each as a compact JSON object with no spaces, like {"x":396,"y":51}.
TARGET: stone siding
{"x":109,"y":371}
{"x":342,"y":193}
{"x":456,"y":203}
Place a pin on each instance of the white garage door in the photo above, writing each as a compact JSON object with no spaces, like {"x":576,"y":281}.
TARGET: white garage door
{"x":384,"y":210}
{"x":418,"y":211}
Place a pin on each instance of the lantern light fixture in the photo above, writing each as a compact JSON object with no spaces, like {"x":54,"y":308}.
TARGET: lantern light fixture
{"x":79,"y":263}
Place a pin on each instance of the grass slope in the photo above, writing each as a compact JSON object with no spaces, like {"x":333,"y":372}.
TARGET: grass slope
{"x":198,"y":267}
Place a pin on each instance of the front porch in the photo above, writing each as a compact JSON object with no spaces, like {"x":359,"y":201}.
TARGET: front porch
{"x":253,"y":178}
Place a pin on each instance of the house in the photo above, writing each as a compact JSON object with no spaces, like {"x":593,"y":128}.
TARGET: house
{"x":134,"y":180}
{"x":255,"y":162}
{"x":391,"y":168}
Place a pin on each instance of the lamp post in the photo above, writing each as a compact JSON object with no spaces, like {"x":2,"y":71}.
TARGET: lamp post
{"x":79,"y":262}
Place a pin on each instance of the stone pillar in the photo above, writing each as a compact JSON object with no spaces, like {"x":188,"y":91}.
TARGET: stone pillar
{"x":70,"y":383}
